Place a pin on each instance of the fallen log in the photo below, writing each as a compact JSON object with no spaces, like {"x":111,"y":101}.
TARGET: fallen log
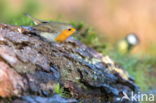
{"x":31,"y":68}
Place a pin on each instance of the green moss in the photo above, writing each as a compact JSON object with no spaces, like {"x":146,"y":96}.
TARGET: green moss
{"x":60,"y":90}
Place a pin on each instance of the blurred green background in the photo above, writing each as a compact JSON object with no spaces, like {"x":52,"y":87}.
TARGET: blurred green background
{"x":101,"y":24}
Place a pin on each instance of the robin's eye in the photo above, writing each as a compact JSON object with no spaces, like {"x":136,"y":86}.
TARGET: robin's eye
{"x":69,"y":29}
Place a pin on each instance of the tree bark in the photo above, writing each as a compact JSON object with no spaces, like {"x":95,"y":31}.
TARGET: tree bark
{"x":30,"y":69}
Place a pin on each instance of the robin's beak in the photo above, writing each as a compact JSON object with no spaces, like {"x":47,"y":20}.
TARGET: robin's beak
{"x":72,"y":30}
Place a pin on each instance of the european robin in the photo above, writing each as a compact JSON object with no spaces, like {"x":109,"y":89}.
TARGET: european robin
{"x":52,"y":31}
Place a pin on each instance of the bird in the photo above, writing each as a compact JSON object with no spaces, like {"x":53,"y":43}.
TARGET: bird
{"x":128,"y":43}
{"x":50,"y":30}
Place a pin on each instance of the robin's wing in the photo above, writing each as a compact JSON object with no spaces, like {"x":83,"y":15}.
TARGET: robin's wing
{"x":48,"y":36}
{"x":46,"y":27}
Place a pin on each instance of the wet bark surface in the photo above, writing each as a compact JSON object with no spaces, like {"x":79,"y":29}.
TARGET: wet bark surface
{"x":31,"y":67}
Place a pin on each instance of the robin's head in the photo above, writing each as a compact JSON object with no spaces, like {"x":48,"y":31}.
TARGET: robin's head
{"x":63,"y":27}
{"x":68,"y":30}
{"x":65,"y":32}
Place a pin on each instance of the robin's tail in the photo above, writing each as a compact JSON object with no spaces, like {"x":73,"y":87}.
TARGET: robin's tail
{"x":36,"y":21}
